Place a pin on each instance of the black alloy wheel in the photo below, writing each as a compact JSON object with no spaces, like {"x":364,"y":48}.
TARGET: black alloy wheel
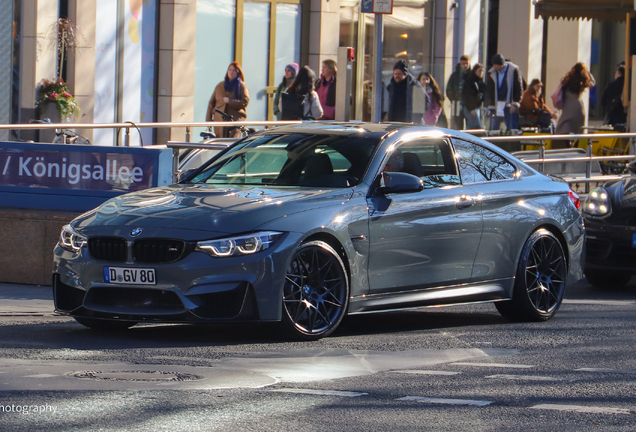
{"x":316,"y":291}
{"x":540,"y":280}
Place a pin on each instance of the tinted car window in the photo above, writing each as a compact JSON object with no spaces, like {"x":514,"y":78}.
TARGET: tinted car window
{"x":432,"y":161}
{"x":479,"y":164}
{"x":293,"y":160}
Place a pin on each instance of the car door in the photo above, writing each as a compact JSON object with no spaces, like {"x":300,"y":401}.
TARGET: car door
{"x":499,"y":189}
{"x":427,"y":238}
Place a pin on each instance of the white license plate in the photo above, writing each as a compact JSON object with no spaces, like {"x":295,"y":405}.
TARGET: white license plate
{"x":130,"y":276}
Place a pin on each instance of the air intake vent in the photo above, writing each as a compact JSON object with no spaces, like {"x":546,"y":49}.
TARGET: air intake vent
{"x":108,"y":248}
{"x":158,"y":250}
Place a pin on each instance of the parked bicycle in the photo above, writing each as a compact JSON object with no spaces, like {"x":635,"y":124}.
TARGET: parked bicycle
{"x":244,"y":131}
{"x":65,"y":136}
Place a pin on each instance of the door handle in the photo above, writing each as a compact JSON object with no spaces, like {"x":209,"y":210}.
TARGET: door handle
{"x":465,"y":201}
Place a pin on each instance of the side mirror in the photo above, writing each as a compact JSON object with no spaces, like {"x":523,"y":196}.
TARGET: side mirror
{"x":399,"y":182}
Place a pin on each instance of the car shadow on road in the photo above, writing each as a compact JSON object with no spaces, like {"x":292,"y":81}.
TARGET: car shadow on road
{"x":61,"y":333}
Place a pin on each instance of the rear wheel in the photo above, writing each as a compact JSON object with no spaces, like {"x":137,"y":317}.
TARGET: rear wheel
{"x":607,"y":280}
{"x":316,"y":292}
{"x":539,"y":282}
{"x":104,"y":324}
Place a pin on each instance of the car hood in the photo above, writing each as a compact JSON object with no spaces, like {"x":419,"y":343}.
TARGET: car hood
{"x":212,"y":208}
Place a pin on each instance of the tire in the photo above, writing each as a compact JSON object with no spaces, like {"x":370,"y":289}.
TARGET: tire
{"x":540,"y":280}
{"x":316,"y":292}
{"x":104,"y":324}
{"x":607,"y":280}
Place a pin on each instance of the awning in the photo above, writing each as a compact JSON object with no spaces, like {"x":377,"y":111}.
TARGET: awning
{"x":606,"y":10}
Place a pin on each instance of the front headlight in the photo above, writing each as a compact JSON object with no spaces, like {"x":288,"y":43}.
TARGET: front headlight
{"x":242,"y":245}
{"x":597,"y":203}
{"x":71,"y":240}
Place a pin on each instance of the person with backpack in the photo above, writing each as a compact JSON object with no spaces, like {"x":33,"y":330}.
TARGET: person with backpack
{"x":231,"y":96}
{"x":291,"y":70}
{"x":300,"y":101}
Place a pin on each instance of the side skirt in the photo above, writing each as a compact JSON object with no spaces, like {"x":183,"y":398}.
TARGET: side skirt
{"x":458,"y":294}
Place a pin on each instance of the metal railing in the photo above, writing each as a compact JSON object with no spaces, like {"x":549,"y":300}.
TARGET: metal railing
{"x":536,"y":140}
{"x":128,"y":125}
{"x":540,"y":140}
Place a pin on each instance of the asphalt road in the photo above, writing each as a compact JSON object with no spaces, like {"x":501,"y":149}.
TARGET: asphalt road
{"x":452,"y":368}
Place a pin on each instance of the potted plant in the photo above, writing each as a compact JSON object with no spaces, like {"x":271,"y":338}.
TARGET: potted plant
{"x":54,"y":94}
{"x":53,"y":99}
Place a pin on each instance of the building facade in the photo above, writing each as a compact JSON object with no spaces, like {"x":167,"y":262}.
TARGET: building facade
{"x":159,"y":60}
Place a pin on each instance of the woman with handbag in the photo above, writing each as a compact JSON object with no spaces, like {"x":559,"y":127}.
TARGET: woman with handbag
{"x":573,"y":86}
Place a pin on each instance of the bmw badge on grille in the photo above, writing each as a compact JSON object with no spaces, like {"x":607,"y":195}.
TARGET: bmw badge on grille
{"x":135,"y":232}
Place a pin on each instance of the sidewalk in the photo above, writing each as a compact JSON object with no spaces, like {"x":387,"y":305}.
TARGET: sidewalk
{"x":18,"y":300}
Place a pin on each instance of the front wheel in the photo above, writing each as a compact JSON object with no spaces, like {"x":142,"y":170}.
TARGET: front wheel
{"x":316,"y":292}
{"x":539,"y":282}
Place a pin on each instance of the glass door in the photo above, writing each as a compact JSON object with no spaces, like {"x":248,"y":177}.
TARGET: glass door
{"x":269,"y":37}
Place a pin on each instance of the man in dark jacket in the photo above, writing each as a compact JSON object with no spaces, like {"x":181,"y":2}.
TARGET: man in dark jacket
{"x":505,"y":89}
{"x":612,"y":99}
{"x":405,"y":94}
{"x":454,"y":91}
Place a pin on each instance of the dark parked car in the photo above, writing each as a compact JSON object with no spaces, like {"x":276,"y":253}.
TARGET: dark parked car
{"x":610,"y":224}
{"x":309,"y":223}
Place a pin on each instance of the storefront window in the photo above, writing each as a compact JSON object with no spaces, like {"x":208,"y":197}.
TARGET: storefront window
{"x":404,"y":38}
{"x":214,"y":50}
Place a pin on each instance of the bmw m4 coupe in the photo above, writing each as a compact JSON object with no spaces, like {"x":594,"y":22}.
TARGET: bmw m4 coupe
{"x":305,"y":224}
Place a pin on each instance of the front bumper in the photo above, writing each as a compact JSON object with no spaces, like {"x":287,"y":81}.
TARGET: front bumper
{"x":198,"y":288}
{"x":609,"y":247}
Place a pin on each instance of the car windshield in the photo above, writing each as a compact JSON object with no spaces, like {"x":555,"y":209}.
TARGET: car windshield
{"x":312,"y":160}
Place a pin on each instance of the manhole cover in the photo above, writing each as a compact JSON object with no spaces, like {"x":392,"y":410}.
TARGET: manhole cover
{"x":134,"y":375}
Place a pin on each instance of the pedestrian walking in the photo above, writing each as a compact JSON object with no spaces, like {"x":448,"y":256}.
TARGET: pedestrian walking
{"x":405,"y":93}
{"x":534,"y":109}
{"x":291,"y":70}
{"x":455,"y":93}
{"x":573,"y":86}
{"x":300,"y":101}
{"x":326,"y":89}
{"x":473,"y":94}
{"x":231,"y":96}
{"x":505,"y":88}
{"x":434,"y":99}
{"x":612,"y":99}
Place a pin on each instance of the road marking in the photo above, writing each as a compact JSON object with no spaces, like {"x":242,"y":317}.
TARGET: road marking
{"x":445,"y":401}
{"x":582,"y":409}
{"x":622,"y":371}
{"x":499,"y":365}
{"x":426,"y":372}
{"x":322,"y":392}
{"x":525,"y":377}
{"x":40,"y":376}
{"x":599,"y":302}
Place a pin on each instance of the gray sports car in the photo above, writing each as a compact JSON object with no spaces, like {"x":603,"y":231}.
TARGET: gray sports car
{"x":309,"y":223}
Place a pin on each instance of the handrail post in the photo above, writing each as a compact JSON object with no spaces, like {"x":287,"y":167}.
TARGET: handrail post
{"x":541,"y":155}
{"x":175,"y":164}
{"x":127,"y":138}
{"x":588,"y":166}
{"x":188,"y":134}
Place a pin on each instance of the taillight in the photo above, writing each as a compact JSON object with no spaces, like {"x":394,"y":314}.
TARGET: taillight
{"x":574,"y":198}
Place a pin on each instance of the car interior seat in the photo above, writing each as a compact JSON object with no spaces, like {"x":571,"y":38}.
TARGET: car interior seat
{"x":412,"y":164}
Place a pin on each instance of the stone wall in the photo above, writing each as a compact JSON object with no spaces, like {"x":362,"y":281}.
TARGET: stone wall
{"x":29,"y":237}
